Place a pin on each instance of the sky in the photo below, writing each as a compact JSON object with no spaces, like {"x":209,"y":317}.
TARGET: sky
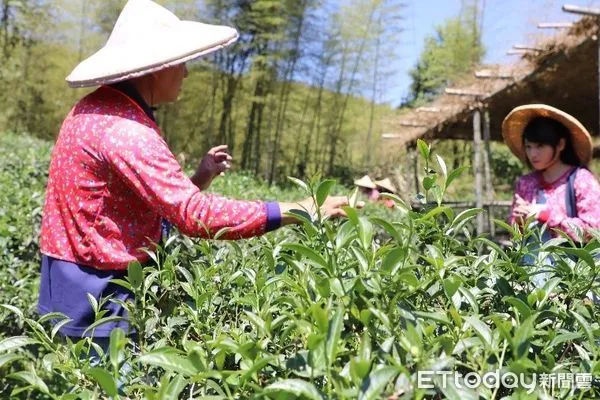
{"x":505,"y":22}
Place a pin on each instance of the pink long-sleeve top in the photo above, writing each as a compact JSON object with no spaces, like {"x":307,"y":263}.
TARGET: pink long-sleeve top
{"x":587,"y":196}
{"x":113,"y":178}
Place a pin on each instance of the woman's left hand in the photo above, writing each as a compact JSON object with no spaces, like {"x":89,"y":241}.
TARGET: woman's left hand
{"x":216,"y":161}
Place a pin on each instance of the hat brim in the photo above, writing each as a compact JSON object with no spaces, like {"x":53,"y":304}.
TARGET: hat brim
{"x":517,"y":120}
{"x":386,"y":186}
{"x":188,"y":41}
{"x":365,"y":182}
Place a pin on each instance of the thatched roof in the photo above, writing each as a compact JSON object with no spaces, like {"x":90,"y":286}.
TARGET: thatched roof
{"x":563,"y":73}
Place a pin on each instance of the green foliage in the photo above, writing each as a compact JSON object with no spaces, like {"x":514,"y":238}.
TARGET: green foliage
{"x":506,"y":168}
{"x":278,"y":109}
{"x":453,"y":51}
{"x":350,"y":308}
{"x":23,"y":173}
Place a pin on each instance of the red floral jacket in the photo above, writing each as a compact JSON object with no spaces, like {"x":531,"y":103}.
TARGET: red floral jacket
{"x":113,"y":179}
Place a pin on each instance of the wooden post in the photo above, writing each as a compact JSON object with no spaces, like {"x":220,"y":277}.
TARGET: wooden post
{"x":581,"y":10}
{"x":412,"y":124}
{"x":392,"y":136}
{"x":487,"y":74}
{"x":487,"y":166}
{"x":416,"y":167}
{"x":516,"y":52}
{"x":464,"y":92}
{"x":429,"y":109}
{"x":555,"y":25}
{"x":477,"y":147}
{"x":526,"y":47}
{"x":409,"y":168}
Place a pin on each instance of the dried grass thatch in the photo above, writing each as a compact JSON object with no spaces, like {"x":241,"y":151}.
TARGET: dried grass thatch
{"x":563,"y":73}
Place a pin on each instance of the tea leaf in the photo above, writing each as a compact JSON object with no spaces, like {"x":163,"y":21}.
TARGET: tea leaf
{"x":32,"y":379}
{"x":170,"y":361}
{"x":376,"y":382}
{"x":480,"y":328}
{"x":104,"y":379}
{"x":16,"y":342}
{"x":333,"y":334}
{"x":135,"y":274}
{"x":295,"y":387}
{"x":323,"y":191}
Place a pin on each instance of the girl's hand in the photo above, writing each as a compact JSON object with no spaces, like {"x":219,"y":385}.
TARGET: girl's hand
{"x":524,"y":209}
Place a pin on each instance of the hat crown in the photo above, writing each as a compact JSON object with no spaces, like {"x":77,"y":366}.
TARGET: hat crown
{"x":517,"y":120}
{"x":147,"y":38}
{"x":386,"y":184}
{"x":139,"y":20}
{"x":365,"y":181}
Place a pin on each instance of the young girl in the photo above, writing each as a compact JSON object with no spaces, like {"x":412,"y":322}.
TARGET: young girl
{"x":555,"y":146}
{"x":559,"y":192}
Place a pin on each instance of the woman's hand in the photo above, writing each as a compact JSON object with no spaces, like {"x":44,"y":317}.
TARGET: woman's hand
{"x":331,"y":207}
{"x":214,"y":163}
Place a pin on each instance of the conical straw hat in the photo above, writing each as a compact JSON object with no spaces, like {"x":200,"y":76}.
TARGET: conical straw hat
{"x":516,"y":121}
{"x":365,"y":182}
{"x":386,"y":184}
{"x":146,"y":38}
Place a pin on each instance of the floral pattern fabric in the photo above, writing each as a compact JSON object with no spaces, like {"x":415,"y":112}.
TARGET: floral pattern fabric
{"x":587,"y":195}
{"x":113,"y":178}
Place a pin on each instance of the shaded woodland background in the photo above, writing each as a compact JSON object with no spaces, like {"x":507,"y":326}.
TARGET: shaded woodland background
{"x":305,"y":90}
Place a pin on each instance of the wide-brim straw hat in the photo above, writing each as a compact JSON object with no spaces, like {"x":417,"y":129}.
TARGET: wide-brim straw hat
{"x":146,"y":38}
{"x":386,"y":184}
{"x":516,"y":121}
{"x":365,"y":182}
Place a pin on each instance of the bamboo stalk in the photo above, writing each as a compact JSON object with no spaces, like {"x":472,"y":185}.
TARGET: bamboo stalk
{"x":555,"y":25}
{"x":428,"y":109}
{"x":581,"y":10}
{"x":486,"y":74}
{"x":412,"y":124}
{"x":463,"y":92}
{"x":517,"y":52}
{"x":526,"y":47}
{"x":391,"y":136}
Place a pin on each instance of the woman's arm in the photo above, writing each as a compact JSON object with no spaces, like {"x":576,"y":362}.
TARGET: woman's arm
{"x":331,"y":207}
{"x":142,"y":159}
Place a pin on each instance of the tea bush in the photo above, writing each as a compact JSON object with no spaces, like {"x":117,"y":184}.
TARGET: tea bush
{"x":350,"y":308}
